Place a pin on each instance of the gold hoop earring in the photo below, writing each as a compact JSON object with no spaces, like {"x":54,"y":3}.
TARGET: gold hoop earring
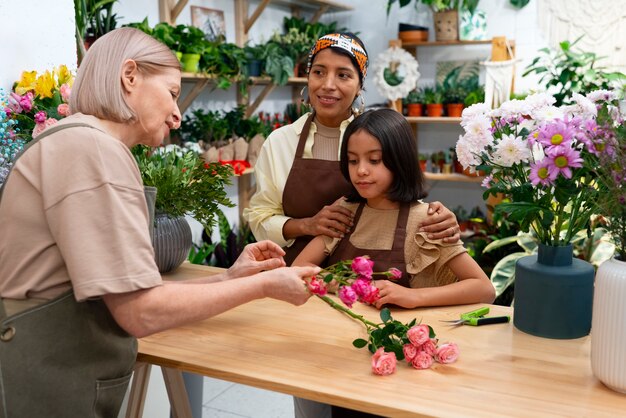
{"x":304,"y":95}
{"x":361,"y":107}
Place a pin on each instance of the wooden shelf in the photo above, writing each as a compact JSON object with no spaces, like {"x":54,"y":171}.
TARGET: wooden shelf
{"x":445,"y":43}
{"x":462,"y":178}
{"x":437,"y":119}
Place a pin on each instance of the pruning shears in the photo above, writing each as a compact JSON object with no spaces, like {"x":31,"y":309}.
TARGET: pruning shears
{"x":477,"y":318}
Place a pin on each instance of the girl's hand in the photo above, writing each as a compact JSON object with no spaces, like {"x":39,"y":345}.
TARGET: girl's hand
{"x":256,"y":257}
{"x":395,"y":294}
{"x":441,"y":223}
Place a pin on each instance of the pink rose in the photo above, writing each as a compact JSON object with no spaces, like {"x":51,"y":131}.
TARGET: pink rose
{"x":65,"y":91}
{"x":447,"y":353}
{"x":373,"y":295}
{"x":317,"y":286}
{"x":63,"y":109}
{"x":40,"y":117}
{"x":383,"y":363}
{"x":347,"y":295}
{"x":363,"y":266}
{"x":40,"y":127}
{"x":422,"y":360}
{"x":395,"y":274}
{"x":429,"y":347}
{"x":365,"y":290}
{"x":418,"y":334}
{"x":410,"y":351}
{"x":27,"y":101}
{"x":14,"y":103}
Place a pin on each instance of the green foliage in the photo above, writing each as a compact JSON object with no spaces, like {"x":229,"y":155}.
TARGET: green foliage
{"x":390,"y":334}
{"x":570,"y":70}
{"x":215,"y":127}
{"x":415,"y":96}
{"x":278,"y":65}
{"x":437,"y":5}
{"x":433,"y":95}
{"x":185,"y":183}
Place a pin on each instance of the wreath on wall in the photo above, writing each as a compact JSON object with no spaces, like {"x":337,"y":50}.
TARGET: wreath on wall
{"x":389,"y":83}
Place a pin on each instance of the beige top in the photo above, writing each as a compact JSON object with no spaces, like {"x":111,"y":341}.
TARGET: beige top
{"x":74,"y":214}
{"x":425,"y":258}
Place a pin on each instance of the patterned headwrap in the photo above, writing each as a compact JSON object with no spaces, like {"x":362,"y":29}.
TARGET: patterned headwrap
{"x":346,"y":43}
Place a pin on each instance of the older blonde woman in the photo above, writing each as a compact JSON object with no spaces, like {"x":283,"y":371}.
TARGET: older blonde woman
{"x":78,"y":279}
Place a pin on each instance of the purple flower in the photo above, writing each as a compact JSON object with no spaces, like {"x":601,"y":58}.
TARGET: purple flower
{"x":363,"y":266}
{"x":562,"y":159}
{"x":347,"y":295}
{"x":540,"y":174}
{"x":556,"y":132}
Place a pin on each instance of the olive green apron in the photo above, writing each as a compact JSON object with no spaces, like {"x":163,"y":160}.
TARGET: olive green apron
{"x":63,"y":358}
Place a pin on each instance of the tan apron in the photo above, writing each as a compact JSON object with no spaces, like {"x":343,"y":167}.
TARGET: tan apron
{"x":63,"y":358}
{"x":383,"y":259}
{"x":311,"y":185}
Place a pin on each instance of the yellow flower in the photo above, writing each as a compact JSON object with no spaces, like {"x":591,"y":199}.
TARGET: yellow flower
{"x":63,"y":75}
{"x":26,"y":83}
{"x":44,"y":85}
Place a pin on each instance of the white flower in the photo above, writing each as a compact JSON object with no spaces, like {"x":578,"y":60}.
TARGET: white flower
{"x":512,"y":109}
{"x":539,"y":100}
{"x":477,"y":125}
{"x":477,"y":109}
{"x":547,"y":113}
{"x":465,"y":156}
{"x":583,"y":107}
{"x":511,"y":150}
{"x":605,"y":95}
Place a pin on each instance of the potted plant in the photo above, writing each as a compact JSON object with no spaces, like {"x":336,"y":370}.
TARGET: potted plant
{"x":185,"y":185}
{"x":414,"y":101}
{"x":546,"y":170}
{"x":423,"y":159}
{"x":453,"y":98}
{"x":433,"y":98}
{"x":93,"y":18}
{"x":608,"y":358}
{"x":278,"y":65}
{"x":192,"y":46}
{"x":296,"y":45}
{"x":255,"y":55}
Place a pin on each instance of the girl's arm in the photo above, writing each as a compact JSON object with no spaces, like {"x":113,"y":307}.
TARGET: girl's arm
{"x":313,"y":254}
{"x":473,"y":287}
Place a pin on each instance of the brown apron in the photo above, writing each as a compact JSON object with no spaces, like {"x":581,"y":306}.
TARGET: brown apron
{"x":383,"y":259}
{"x":63,"y":358}
{"x":311,"y":185}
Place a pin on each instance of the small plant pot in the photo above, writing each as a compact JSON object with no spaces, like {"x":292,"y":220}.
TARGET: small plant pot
{"x":191,"y":62}
{"x":447,"y":25}
{"x":408,"y":33}
{"x":423,"y":165}
{"x":454,"y":110}
{"x":447,"y":168}
{"x":458,"y":167}
{"x":255,"y":68}
{"x":414,"y":109}
{"x":179,"y":55}
{"x":434,"y":110}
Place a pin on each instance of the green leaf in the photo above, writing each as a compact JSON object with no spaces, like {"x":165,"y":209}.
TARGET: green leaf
{"x":503,"y":274}
{"x":359,"y":343}
{"x":385,"y":315}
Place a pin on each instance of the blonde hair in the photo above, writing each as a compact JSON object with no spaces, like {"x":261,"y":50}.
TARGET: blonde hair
{"x":98,"y":89}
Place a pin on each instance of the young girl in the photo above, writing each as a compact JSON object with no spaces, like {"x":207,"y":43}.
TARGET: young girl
{"x":379,"y":158}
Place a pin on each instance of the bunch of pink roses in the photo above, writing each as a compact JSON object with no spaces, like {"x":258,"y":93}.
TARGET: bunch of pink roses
{"x":353,"y":278}
{"x":390,"y":340}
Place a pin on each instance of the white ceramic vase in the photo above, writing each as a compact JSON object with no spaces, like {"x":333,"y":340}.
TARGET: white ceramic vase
{"x":608,"y":329}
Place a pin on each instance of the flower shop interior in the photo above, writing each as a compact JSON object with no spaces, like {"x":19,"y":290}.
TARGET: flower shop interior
{"x":561,"y":62}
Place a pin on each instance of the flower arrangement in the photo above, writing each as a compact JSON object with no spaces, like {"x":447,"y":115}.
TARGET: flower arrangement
{"x":611,"y":174}
{"x":542,"y":158}
{"x":38,"y":101}
{"x":10,"y":144}
{"x":185,"y":183}
{"x":390,"y":340}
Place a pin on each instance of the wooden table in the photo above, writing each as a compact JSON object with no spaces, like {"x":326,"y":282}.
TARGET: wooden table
{"x":307,"y":351}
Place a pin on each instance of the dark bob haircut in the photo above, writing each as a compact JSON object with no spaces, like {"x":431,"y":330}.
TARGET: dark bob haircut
{"x":399,"y":150}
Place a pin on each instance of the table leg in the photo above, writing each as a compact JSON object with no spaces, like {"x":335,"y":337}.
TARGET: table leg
{"x":177,"y":393}
{"x":138,"y":390}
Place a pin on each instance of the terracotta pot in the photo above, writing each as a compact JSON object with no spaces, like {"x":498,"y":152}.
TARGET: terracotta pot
{"x":454,"y":110}
{"x":409,"y":36}
{"x":423,"y":165}
{"x":434,"y":110}
{"x":458,"y":167}
{"x":414,"y":109}
{"x":469,"y":174}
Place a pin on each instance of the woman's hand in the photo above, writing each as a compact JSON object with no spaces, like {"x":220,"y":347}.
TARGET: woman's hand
{"x":441,"y":223}
{"x":288,"y":284}
{"x":333,"y":221}
{"x":256,"y":257}
{"x":395,"y":294}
